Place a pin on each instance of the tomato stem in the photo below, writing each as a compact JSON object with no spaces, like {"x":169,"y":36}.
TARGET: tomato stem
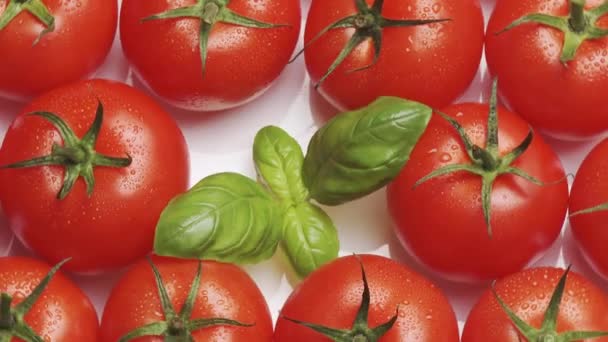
{"x":12,"y":319}
{"x":363,"y":21}
{"x":360,"y":338}
{"x":178,"y":327}
{"x":578,"y":20}
{"x":360,"y":330}
{"x":580,"y":25}
{"x":210,"y":12}
{"x":74,"y":155}
{"x":485,"y":162}
{"x":368,"y":23}
{"x":548,"y":330}
{"x":36,"y":8}
{"x":6,"y":316}
{"x":488,"y":161}
{"x":78,"y":156}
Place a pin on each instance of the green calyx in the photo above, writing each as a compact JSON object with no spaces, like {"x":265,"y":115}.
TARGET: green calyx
{"x":486,"y":162}
{"x":211,"y":12}
{"x":178,"y":327}
{"x":597,"y":208}
{"x":578,"y":26}
{"x":360,"y":331}
{"x":368,"y":24}
{"x":548,"y":332}
{"x":78,"y":156}
{"x":36,"y":7}
{"x":12,"y":319}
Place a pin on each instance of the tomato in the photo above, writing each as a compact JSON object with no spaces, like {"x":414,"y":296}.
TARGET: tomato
{"x":68,"y":41}
{"x":588,"y":214}
{"x":485,"y":218}
{"x":557,"y":88}
{"x":56,"y":311}
{"x":99,"y":199}
{"x":218,"y":291}
{"x":242,"y":44}
{"x":401,"y":304}
{"x":577,"y":306}
{"x":429,"y":63}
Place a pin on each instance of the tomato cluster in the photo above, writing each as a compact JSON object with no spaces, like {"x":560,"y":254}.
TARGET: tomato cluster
{"x":95,"y":174}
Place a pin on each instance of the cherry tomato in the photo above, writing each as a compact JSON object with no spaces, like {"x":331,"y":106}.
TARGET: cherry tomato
{"x":89,"y":173}
{"x":52,"y":307}
{"x":498,"y":207}
{"x":559,"y":88}
{"x":353,"y":293}
{"x":552,"y":305}
{"x":224,"y":303}
{"x":427,"y":62}
{"x":588,"y":215}
{"x":65,"y":42}
{"x":246,"y":44}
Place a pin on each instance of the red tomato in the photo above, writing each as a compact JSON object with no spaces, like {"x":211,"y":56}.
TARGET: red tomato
{"x":588,"y":215}
{"x":564,"y":99}
{"x":332,"y":297}
{"x":80,"y":41}
{"x":441,"y":221}
{"x":115,"y":224}
{"x":527,"y":294}
{"x":241,"y":62}
{"x":224,"y":291}
{"x":428,"y":63}
{"x":62,"y":312}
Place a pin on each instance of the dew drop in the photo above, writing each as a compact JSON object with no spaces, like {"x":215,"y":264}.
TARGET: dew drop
{"x":446,"y":157}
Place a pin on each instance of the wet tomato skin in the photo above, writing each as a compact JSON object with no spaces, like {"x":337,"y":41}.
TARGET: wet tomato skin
{"x":242,"y":62}
{"x":83,"y":35}
{"x":331,"y":296}
{"x":527,"y":294}
{"x":115,"y":225}
{"x":563,"y":101}
{"x":441,"y":221}
{"x":588,"y":191}
{"x":62,"y":313}
{"x":225,"y":291}
{"x":429,"y":63}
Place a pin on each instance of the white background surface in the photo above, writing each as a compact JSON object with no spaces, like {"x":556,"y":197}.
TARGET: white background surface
{"x":222,"y":142}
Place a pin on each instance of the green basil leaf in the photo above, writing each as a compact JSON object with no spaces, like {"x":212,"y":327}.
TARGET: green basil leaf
{"x":226,"y":217}
{"x":361,"y":151}
{"x":278,"y":159}
{"x":310,"y":238}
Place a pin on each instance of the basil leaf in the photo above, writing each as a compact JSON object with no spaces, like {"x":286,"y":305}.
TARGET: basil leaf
{"x":278,"y":159}
{"x":225,"y":217}
{"x":361,"y":151}
{"x":310,"y":238}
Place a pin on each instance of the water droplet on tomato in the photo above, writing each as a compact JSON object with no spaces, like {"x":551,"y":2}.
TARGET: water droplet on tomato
{"x":446,"y":157}
{"x":436,"y":7}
